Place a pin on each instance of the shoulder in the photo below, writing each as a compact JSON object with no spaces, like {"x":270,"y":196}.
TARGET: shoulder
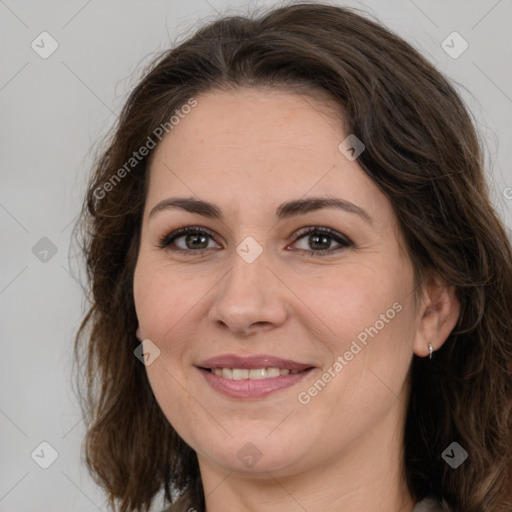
{"x":430,"y":505}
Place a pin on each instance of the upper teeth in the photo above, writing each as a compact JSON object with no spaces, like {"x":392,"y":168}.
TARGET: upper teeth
{"x":253,"y":374}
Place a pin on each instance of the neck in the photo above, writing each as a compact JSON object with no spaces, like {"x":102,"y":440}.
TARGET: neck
{"x":368,"y":476}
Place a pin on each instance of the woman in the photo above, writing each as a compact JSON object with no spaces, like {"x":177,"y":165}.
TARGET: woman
{"x":300,"y":290}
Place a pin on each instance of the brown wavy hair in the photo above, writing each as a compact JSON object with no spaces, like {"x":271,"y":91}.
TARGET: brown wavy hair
{"x":423,"y":153}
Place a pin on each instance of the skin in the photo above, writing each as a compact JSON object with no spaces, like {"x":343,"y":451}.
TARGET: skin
{"x":249,"y":151}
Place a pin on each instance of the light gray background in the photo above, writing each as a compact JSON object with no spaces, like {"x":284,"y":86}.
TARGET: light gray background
{"x":54,"y":109}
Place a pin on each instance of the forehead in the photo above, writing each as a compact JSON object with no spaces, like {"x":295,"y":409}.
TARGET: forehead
{"x":243,"y":117}
{"x":259,"y":145}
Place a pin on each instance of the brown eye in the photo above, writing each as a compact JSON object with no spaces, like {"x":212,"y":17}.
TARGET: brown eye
{"x":320,"y":240}
{"x":191,"y":239}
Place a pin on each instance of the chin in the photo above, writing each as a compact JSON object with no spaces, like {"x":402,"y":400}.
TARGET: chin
{"x":255,"y":455}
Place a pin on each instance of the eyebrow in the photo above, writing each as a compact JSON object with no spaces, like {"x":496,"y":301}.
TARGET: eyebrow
{"x":285,"y":210}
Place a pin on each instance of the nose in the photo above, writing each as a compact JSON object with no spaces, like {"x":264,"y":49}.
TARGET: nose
{"x":249,"y":299}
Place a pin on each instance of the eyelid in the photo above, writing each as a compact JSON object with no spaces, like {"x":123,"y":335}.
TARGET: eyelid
{"x":342,"y":240}
{"x":321,"y":229}
{"x":167,"y":239}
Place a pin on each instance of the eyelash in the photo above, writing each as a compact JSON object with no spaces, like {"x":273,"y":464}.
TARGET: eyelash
{"x":344,"y":242}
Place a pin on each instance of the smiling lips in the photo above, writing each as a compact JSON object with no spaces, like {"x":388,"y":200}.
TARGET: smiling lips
{"x":251,"y":377}
{"x":252,"y":374}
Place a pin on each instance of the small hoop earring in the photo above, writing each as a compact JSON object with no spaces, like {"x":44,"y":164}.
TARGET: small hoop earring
{"x":431,"y":350}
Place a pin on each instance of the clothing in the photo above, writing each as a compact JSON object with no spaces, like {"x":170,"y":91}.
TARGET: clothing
{"x":429,"y":505}
{"x":426,"y":505}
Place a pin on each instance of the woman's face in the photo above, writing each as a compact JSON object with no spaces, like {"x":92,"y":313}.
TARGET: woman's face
{"x":275,"y":279}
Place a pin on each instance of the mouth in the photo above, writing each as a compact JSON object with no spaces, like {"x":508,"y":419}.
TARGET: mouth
{"x":251,"y":377}
{"x":252,"y":373}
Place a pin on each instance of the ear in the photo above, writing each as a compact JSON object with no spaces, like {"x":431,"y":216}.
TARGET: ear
{"x":138,"y":334}
{"x":437,"y":315}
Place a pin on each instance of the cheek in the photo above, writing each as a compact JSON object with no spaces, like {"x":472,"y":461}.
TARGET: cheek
{"x":363,"y":314}
{"x":163,"y":307}
{"x":170,"y":388}
{"x":374,"y":320}
{"x":163,"y":300}
{"x":349,"y":299}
